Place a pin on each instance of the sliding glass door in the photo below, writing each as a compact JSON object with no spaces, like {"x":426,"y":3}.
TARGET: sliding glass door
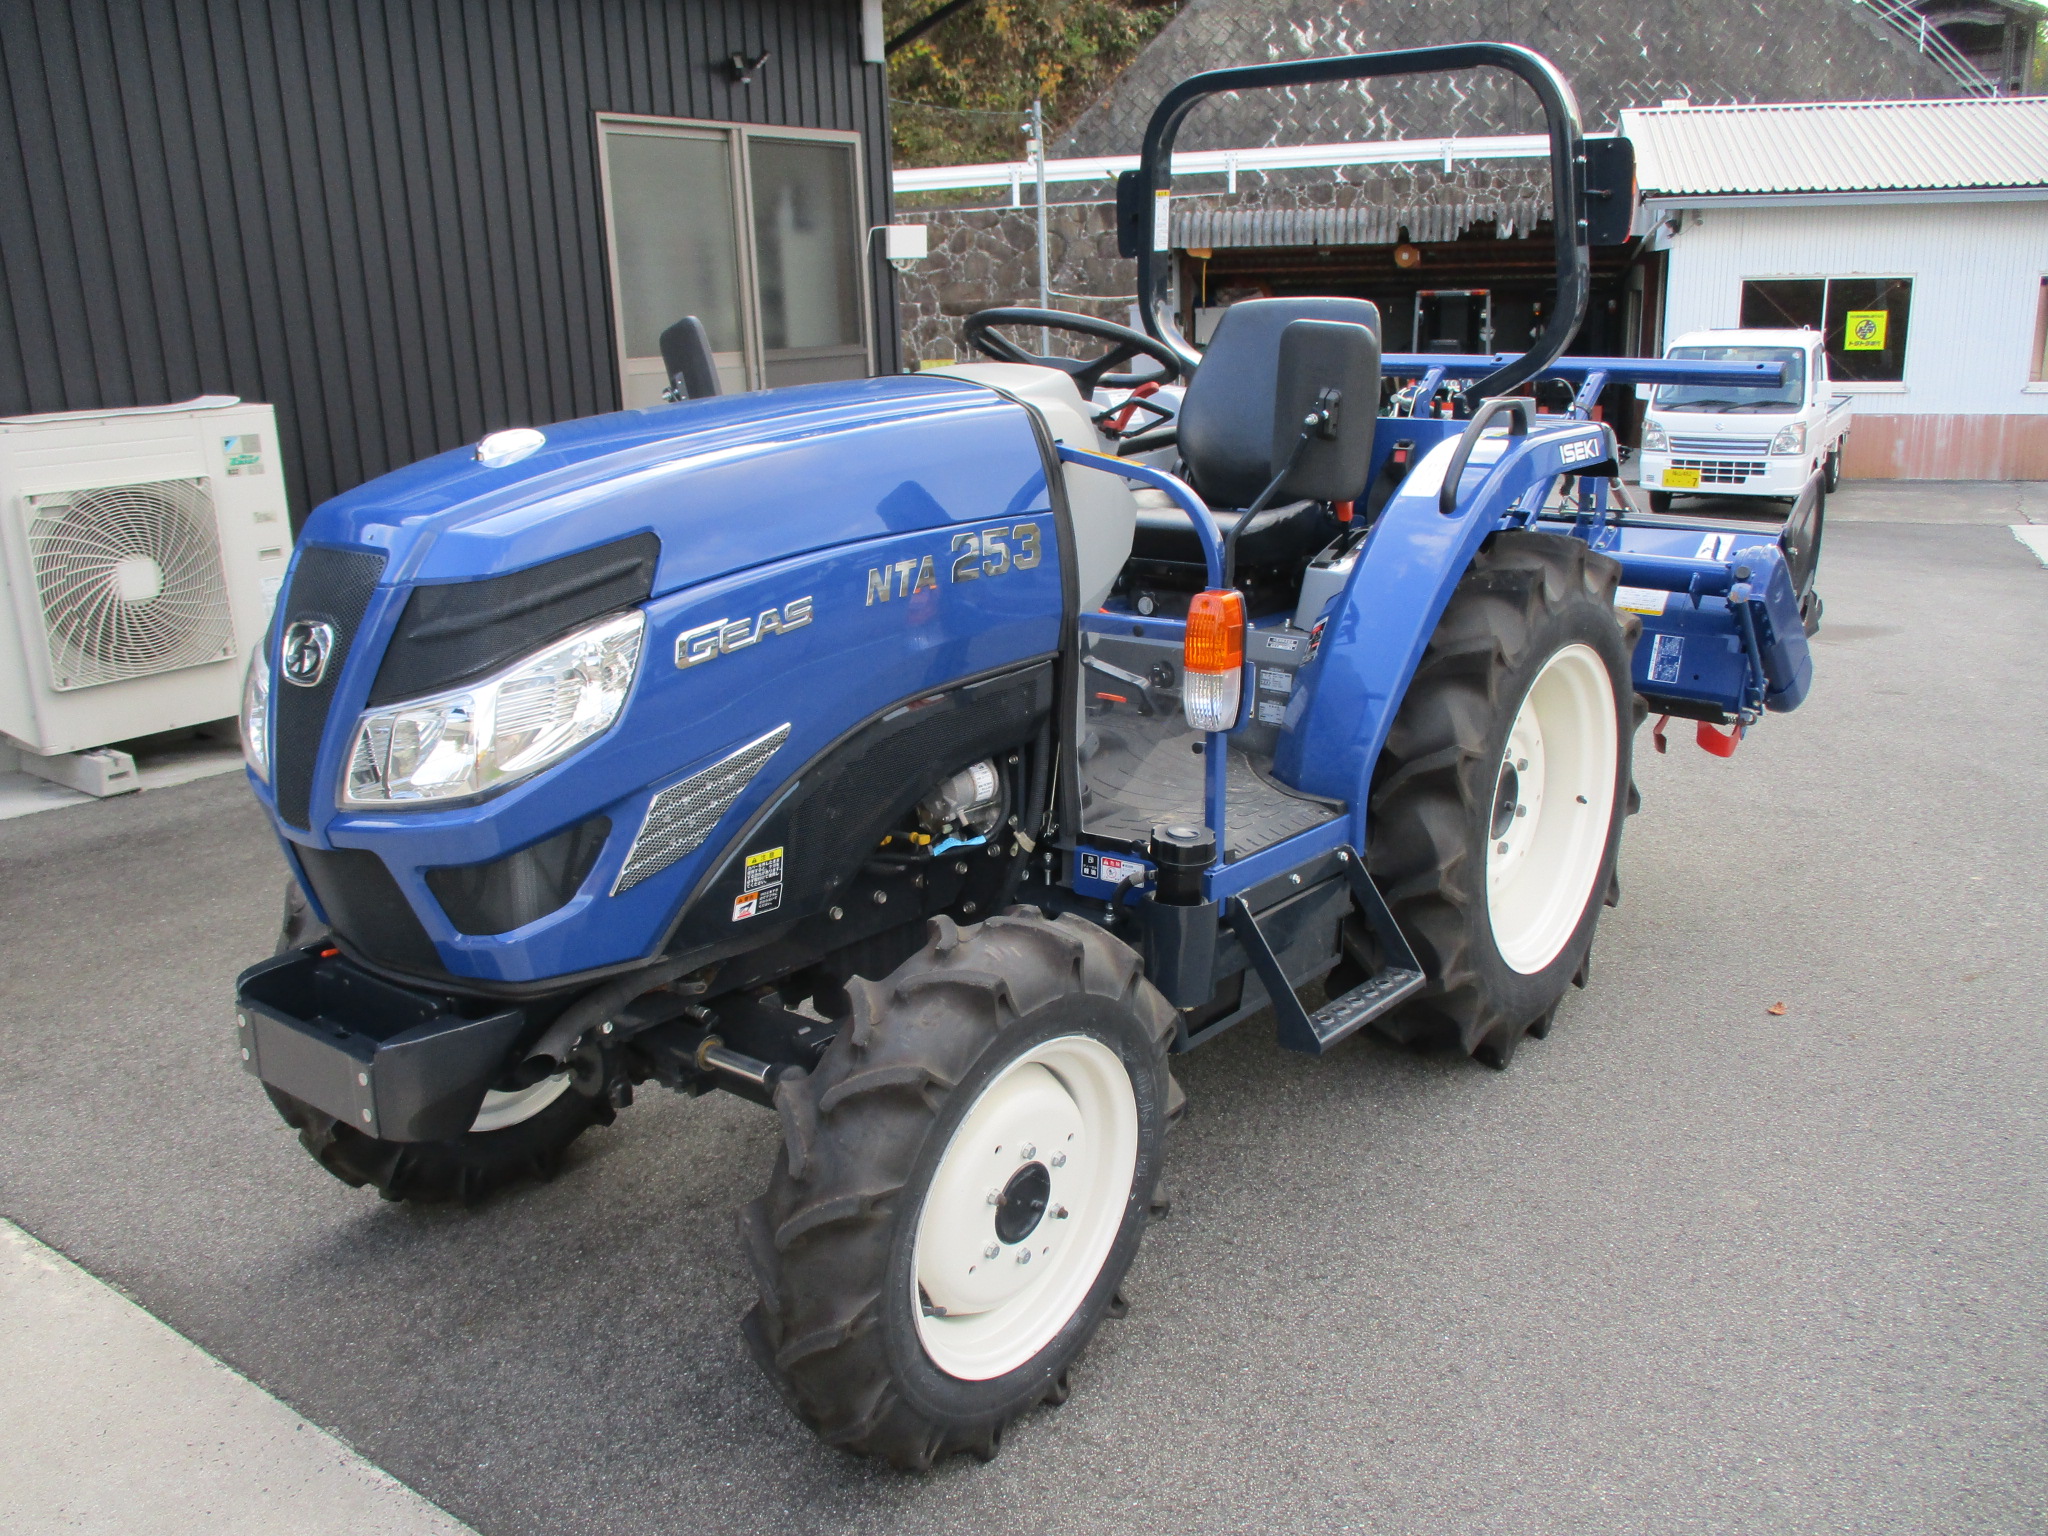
{"x":756,"y":232}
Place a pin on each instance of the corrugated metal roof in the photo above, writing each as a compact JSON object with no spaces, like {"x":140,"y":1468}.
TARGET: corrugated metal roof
{"x":1201,"y":228}
{"x":1863,"y":146}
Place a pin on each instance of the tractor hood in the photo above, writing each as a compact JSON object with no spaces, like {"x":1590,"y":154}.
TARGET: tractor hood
{"x":836,"y":513}
{"x":726,"y":483}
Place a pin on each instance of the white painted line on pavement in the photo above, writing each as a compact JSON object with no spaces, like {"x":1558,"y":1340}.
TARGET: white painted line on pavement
{"x":112,"y":1423}
{"x":2035,"y":537}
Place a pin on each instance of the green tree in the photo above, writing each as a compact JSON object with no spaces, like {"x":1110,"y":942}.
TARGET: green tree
{"x":961,"y":91}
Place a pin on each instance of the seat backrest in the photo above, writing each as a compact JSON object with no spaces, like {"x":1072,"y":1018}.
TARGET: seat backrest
{"x":1226,"y":421}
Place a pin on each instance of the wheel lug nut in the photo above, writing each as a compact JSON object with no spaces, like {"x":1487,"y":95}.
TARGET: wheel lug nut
{"x":995,"y":1197}
{"x":1521,"y":810}
{"x":1024,"y":1256}
{"x":1521,"y":765}
{"x":1059,"y":1213}
{"x":1059,"y":1159}
{"x":1502,"y":848}
{"x":1026,"y":1153}
{"x":991,"y":1251}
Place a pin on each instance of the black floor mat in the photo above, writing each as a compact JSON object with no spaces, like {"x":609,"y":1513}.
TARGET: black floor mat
{"x":1138,"y":772}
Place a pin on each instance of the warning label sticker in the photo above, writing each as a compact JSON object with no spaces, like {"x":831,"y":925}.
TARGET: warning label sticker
{"x":763,"y":869}
{"x":760,"y":885}
{"x":756,"y":903}
{"x":1112,"y":870}
{"x":1640,"y":599}
{"x":1666,"y":656}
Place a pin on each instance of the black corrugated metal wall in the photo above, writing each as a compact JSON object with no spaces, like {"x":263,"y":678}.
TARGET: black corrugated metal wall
{"x":381,"y":216}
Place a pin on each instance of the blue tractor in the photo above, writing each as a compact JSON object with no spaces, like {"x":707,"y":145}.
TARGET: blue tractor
{"x":918,"y":758}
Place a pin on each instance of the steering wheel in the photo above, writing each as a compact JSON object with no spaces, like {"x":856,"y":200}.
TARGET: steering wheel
{"x":1125,"y":344}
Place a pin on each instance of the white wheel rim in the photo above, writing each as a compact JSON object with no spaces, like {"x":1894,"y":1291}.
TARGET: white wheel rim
{"x":501,"y":1110}
{"x":987,"y":1297}
{"x":1553,"y":803}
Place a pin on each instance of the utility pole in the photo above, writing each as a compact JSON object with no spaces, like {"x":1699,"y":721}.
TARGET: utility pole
{"x":1036,"y":128}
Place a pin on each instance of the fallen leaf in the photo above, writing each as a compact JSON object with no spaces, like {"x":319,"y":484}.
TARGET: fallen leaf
{"x":1776,"y":1010}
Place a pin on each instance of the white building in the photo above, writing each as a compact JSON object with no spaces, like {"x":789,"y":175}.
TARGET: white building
{"x":1914,"y":233}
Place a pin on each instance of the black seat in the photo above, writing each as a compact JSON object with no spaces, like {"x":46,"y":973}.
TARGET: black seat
{"x":1226,"y":439}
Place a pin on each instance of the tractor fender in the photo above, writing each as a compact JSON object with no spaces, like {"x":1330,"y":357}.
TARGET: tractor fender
{"x":1372,"y":634}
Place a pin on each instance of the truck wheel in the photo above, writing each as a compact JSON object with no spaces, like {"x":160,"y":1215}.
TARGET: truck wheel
{"x":1497,"y":805}
{"x":962,"y":1185}
{"x":1660,"y":501}
{"x":1833,"y":470}
{"x":516,"y":1135}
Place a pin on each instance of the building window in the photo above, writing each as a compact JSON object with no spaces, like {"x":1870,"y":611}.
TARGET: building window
{"x":1863,"y":320}
{"x":754,"y":231}
{"x":2038,"y":373}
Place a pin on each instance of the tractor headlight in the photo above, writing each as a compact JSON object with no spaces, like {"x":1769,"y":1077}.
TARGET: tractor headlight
{"x":1654,"y":440}
{"x":255,"y":717}
{"x":534,"y":713}
{"x":1790,"y":439}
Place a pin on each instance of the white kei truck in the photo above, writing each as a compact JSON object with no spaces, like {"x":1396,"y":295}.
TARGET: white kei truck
{"x":1765,"y":443}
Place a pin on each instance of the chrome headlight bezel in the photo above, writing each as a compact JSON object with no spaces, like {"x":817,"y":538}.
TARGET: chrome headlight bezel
{"x":254,"y":720}
{"x":1791,"y":439}
{"x":1654,"y":440}
{"x":463,"y":743}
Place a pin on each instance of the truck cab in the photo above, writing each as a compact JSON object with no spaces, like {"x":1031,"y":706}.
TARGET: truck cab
{"x":1761,"y":442}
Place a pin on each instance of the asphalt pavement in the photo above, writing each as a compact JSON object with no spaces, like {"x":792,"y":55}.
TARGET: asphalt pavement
{"x":1689,"y":1265}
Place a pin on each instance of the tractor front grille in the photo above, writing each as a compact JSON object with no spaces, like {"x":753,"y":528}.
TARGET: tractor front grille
{"x":334,"y":586}
{"x":682,"y":816}
{"x":1722,"y":471}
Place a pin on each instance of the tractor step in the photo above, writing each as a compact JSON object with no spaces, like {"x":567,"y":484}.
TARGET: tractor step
{"x":1314,"y":1033}
{"x":1365,"y":1002}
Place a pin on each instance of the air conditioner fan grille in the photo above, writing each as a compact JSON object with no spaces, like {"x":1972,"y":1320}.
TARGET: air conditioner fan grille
{"x":130,"y":581}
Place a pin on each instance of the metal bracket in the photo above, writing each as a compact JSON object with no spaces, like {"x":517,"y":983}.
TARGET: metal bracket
{"x":1314,"y":1033}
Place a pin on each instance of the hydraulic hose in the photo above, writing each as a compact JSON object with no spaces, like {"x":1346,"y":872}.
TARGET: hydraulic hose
{"x":594,"y":1007}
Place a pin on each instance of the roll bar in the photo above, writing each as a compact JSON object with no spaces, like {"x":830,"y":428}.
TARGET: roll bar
{"x":1140,"y":191}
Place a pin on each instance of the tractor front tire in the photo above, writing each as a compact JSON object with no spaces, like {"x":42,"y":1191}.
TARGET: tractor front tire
{"x":1498,"y":802}
{"x":517,"y":1135}
{"x":963,"y":1183}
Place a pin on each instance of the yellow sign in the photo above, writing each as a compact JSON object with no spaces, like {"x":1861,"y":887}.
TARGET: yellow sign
{"x":1681,"y":479}
{"x":1864,"y":330}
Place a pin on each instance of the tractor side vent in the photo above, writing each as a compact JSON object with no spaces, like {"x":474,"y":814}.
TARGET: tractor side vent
{"x":682,"y":816}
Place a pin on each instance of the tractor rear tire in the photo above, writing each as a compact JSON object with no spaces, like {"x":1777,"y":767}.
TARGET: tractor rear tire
{"x":1005,"y":1090}
{"x":1497,"y":804}
{"x":524,"y":1135}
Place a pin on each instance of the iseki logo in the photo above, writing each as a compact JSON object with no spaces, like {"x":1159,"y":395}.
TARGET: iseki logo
{"x":308,"y":643}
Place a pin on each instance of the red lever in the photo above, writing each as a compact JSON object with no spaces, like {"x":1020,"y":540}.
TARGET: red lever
{"x":1720,"y":743}
{"x":1122,"y":418}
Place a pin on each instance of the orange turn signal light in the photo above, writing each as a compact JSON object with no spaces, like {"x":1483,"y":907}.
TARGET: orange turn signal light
{"x":1215,"y":641}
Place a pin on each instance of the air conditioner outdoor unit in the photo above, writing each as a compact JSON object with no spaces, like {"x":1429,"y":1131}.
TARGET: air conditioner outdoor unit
{"x":141,"y":550}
